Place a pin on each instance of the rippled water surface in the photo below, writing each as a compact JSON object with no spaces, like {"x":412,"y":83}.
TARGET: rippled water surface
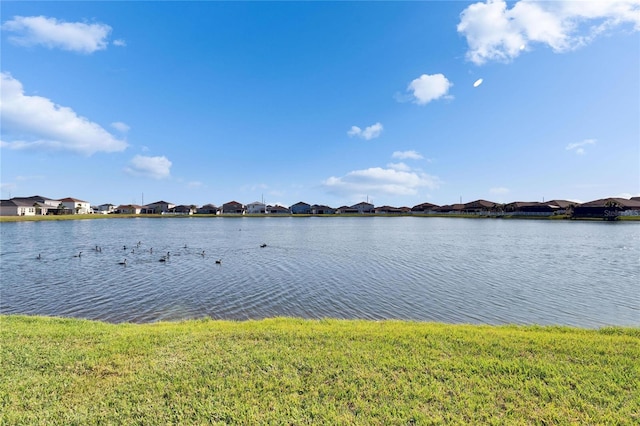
{"x":428,"y":269}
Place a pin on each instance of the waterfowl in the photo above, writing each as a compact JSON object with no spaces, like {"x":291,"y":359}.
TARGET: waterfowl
{"x":124,"y":262}
{"x":163,"y":259}
{"x":202,"y":253}
{"x":219,"y":262}
{"x":39,"y":256}
{"x":78,"y":255}
{"x":263,"y":245}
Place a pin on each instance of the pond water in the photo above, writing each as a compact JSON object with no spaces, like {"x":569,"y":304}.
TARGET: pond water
{"x":482,"y":271}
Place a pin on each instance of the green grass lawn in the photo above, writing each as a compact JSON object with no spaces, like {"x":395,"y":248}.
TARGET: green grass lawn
{"x":289,"y":371}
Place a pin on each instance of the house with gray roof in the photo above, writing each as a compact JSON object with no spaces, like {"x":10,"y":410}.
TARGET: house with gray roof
{"x":300,"y":208}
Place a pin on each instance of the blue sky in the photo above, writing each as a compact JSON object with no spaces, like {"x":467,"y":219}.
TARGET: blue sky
{"x":331,"y":103}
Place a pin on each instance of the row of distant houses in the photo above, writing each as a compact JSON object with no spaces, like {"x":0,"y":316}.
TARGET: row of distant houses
{"x":607,"y":208}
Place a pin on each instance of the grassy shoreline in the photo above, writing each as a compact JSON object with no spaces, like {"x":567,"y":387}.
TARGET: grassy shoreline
{"x":291,"y":371}
{"x":158,"y":216}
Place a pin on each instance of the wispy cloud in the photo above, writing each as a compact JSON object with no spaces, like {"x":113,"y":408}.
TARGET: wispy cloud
{"x":403,"y":155}
{"x":119,"y":43}
{"x":120,"y":126}
{"x":496,"y":33}
{"x":499,"y":190}
{"x":42,"y":124}
{"x":52,"y":33}
{"x":153,"y":167}
{"x":427,"y":88}
{"x":401,"y":167}
{"x":578,"y":147}
{"x":368,"y":133}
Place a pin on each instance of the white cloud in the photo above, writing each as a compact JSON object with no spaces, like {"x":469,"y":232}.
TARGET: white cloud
{"x":377,"y":180}
{"x":119,"y":42}
{"x":368,"y":133}
{"x":153,"y":167}
{"x":496,"y":33}
{"x":578,"y":147}
{"x":120,"y":126}
{"x":499,"y":190}
{"x":402,"y":155}
{"x":401,"y":167}
{"x":37,"y":123}
{"x":427,"y":88}
{"x":51,"y":33}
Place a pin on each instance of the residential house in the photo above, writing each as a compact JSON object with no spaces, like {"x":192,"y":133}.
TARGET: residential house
{"x":17,"y":207}
{"x":363,"y":207}
{"x":75,"y":206}
{"x":321,"y":209}
{"x":424,"y":208}
{"x":346,"y":210}
{"x":278,"y":210}
{"x":300,"y":208}
{"x":530,"y":208}
{"x":104,"y":209}
{"x":450,"y":209}
{"x":233,"y":207}
{"x":208,"y":209}
{"x":129,"y":209}
{"x":183,"y":210}
{"x":563,"y":206}
{"x":159,"y":207}
{"x":256,"y":208}
{"x":608,"y":208}
{"x":481,"y":207}
{"x":35,"y":206}
{"x":389,"y":210}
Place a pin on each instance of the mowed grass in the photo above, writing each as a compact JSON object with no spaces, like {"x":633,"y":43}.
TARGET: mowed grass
{"x":290,"y":371}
